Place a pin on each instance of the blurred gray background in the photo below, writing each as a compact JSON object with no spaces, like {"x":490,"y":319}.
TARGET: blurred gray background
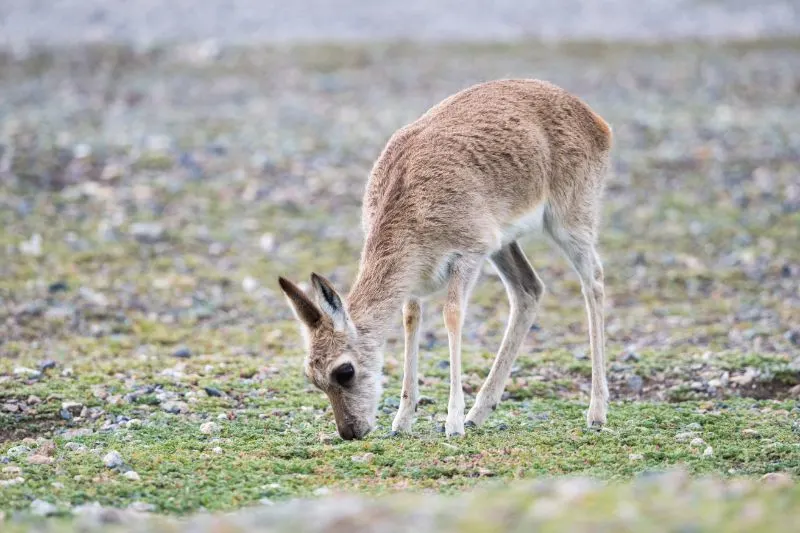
{"x":28,"y":22}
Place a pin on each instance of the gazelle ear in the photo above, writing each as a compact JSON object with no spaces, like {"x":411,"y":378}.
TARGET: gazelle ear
{"x":329,"y":301}
{"x":304,"y":309}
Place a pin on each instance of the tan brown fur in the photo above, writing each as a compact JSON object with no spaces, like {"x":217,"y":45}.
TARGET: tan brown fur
{"x":452,"y":189}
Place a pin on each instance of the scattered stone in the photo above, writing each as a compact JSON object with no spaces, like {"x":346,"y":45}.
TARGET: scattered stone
{"x":93,"y":297}
{"x":249,"y":284}
{"x":47,"y":364}
{"x":793,"y":336}
{"x":777,"y":479}
{"x":708,"y":452}
{"x":133,"y":423}
{"x":25,"y":372}
{"x":38,"y":459}
{"x":266,"y":501}
{"x":32,"y":247}
{"x":182,"y":353}
{"x":10,"y":407}
{"x":213,"y":392}
{"x":630,"y":356}
{"x":635,"y":457}
{"x":752,"y":433}
{"x":444,"y":364}
{"x":745,"y":379}
{"x":147,"y":232}
{"x":209,"y":428}
{"x":216,"y":450}
{"x":174,"y":407}
{"x":794,"y":392}
{"x":267,"y":243}
{"x":686,"y":435}
{"x":11,"y":482}
{"x":18,"y":451}
{"x":142,"y":507}
{"x":697,"y":442}
{"x":57,"y":485}
{"x":43,"y":508}
{"x":635,"y":384}
{"x":75,"y":433}
{"x":33,"y":400}
{"x":70,"y":410}
{"x":694,"y":426}
{"x":326,"y":438}
{"x":75,"y":447}
{"x":113,"y":459}
{"x":132,"y":475}
{"x":322,"y":491}
{"x":366,"y":458}
{"x":426,"y":400}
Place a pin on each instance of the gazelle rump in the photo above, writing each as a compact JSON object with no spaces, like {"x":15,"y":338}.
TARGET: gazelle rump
{"x":457,"y":187}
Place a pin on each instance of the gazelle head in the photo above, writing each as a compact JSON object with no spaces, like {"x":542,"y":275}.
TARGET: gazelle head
{"x":346,"y":370}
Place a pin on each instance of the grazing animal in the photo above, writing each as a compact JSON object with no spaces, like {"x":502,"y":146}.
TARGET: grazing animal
{"x":456,"y":187}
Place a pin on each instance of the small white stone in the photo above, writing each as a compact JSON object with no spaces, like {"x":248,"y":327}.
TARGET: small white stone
{"x":43,"y":508}
{"x":683,"y":437}
{"x":249,"y":284}
{"x":132,"y":475}
{"x":209,"y":428}
{"x":635,"y":456}
{"x":708,"y":452}
{"x":32,"y":246}
{"x":142,"y":507}
{"x":265,"y":501}
{"x":697,"y":442}
{"x":9,"y":482}
{"x":217,"y":450}
{"x":322,"y":491}
{"x":112,"y":459}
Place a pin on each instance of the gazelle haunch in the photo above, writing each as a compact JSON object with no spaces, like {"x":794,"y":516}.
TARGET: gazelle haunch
{"x":457,"y":187}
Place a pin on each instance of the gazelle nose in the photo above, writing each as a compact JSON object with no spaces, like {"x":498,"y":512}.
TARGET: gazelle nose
{"x":346,"y":432}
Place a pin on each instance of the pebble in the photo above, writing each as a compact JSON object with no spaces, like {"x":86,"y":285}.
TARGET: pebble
{"x":18,"y":451}
{"x":43,"y":508}
{"x":209,"y":428}
{"x":708,"y":452}
{"x":113,"y":459}
{"x":175,"y":408}
{"x":142,"y":507}
{"x":70,"y":410}
{"x":213,"y":392}
{"x":32,"y":247}
{"x":216,"y":450}
{"x":33,"y":400}
{"x":630,"y":356}
{"x":635,"y":456}
{"x":249,"y":284}
{"x":47,"y":364}
{"x":749,"y":432}
{"x":694,"y":426}
{"x":697,"y":442}
{"x":686,"y":435}
{"x":93,"y":297}
{"x":37,"y":459}
{"x":777,"y":479}
{"x":11,"y":482}
{"x":635,"y":383}
{"x":366,"y":458}
{"x":22,"y":371}
{"x":75,"y":447}
{"x":75,"y":433}
{"x":322,"y":491}
{"x":132,"y":475}
{"x":182,"y":353}
{"x":147,"y":232}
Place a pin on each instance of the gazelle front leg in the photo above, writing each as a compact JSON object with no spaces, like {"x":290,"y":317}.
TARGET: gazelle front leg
{"x":410,"y":393}
{"x":462,"y":276}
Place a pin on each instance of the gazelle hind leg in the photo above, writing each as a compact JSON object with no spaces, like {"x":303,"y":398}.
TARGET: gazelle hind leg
{"x":524,"y":290}
{"x":578,"y":246}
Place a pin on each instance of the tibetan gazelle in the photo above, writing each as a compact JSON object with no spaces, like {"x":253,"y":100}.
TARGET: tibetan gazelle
{"x":457,"y":187}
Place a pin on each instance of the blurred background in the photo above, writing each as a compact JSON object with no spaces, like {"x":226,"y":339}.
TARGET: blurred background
{"x":162,"y":162}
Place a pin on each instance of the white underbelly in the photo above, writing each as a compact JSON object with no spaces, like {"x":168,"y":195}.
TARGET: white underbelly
{"x":531,"y":222}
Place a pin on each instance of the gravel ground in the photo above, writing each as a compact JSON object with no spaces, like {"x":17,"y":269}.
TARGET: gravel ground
{"x":150,"y":199}
{"x":144,"y":22}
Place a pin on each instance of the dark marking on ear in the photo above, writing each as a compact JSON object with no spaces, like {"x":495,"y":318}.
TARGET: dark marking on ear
{"x":324,"y":288}
{"x":304,"y":308}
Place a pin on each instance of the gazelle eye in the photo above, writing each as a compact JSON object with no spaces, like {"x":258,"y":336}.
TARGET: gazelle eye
{"x":343,"y":374}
